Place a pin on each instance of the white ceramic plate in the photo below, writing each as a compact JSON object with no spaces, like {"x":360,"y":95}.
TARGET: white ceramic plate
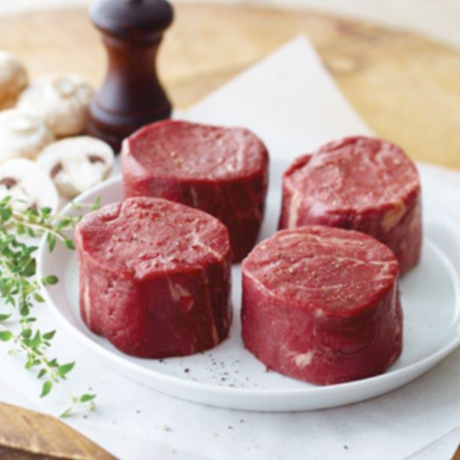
{"x":230,"y":377}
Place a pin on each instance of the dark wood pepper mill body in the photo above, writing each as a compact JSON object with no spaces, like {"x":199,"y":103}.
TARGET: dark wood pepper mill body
{"x":131,"y":95}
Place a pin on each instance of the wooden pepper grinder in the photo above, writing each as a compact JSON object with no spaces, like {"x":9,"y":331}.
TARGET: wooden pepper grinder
{"x":131,"y":95}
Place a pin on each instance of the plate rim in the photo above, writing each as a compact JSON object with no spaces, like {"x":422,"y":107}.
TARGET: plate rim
{"x":108,"y":355}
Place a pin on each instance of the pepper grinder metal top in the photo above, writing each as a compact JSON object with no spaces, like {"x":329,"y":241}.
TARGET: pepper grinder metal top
{"x":131,"y":95}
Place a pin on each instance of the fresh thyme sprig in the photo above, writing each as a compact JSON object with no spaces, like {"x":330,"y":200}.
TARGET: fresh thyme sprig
{"x":20,"y":290}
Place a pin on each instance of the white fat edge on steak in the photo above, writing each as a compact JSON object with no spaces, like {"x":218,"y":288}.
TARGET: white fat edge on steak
{"x":292,"y":269}
{"x":296,"y":201}
{"x":303,"y":359}
{"x":392,"y":217}
{"x":87,"y":300}
{"x":294,"y":204}
{"x":318,"y":241}
{"x":322,"y":241}
{"x":215,"y":335}
{"x":318,"y":161}
{"x":197,"y":242}
{"x":384,"y":264}
{"x":164,"y":259}
{"x":86,"y":294}
{"x":236,"y":162}
{"x":240,"y":154}
{"x":194,"y":196}
{"x":176,"y":336}
{"x":178,"y":292}
{"x":388,"y":195}
{"x":271,"y":265}
{"x":260,"y":285}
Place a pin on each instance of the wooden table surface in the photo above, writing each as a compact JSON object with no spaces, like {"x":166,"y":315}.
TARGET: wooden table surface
{"x":406,"y":87}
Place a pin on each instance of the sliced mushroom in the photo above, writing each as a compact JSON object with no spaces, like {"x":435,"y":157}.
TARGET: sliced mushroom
{"x":28,"y":185}
{"x":76,"y":164}
{"x":22,"y":135}
{"x":62,"y":100}
{"x":13,"y":79}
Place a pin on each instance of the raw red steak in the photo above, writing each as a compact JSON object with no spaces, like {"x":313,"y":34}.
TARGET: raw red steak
{"x":222,"y":171}
{"x":362,"y":184}
{"x":321,"y":304}
{"x":155,"y":277}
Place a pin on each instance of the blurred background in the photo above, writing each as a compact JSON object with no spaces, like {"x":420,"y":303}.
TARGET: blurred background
{"x":379,"y":53}
{"x":439,"y":19}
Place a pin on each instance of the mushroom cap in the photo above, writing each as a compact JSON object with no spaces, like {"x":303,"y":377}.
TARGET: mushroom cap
{"x":22,"y":135}
{"x":13,"y":79}
{"x":61,"y":99}
{"x":77,"y":164}
{"x":28,"y":185}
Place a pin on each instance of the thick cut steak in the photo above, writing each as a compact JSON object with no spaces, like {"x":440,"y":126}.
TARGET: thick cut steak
{"x":222,"y":171}
{"x":321,"y":304}
{"x":155,"y":277}
{"x":358,"y":183}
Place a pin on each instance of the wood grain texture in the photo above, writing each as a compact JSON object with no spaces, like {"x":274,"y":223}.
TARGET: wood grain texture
{"x":28,"y":435}
{"x":457,"y":454}
{"x":406,"y":87}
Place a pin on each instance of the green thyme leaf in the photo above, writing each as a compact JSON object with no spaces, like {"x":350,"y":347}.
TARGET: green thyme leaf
{"x":6,"y":336}
{"x":87,"y":398}
{"x":65,"y":369}
{"x":51,"y":240}
{"x":47,"y":387}
{"x":67,"y":413}
{"x":5,"y":214}
{"x":38,"y":297}
{"x":49,"y":335}
{"x":41,"y":374}
{"x":50,"y":280}
{"x":69,"y":245}
{"x":20,"y":290}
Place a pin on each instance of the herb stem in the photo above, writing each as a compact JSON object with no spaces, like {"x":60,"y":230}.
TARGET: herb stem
{"x":20,"y":290}
{"x":43,"y":228}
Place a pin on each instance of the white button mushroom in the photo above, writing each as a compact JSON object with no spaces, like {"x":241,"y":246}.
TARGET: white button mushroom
{"x":62,"y":100}
{"x":77,"y":164}
{"x":22,"y":135}
{"x":13,"y":79}
{"x":28,"y":186}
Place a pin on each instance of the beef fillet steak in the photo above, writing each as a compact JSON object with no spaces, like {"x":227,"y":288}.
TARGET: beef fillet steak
{"x":358,"y":183}
{"x":322,"y":305}
{"x":222,"y":171}
{"x":155,"y":277}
